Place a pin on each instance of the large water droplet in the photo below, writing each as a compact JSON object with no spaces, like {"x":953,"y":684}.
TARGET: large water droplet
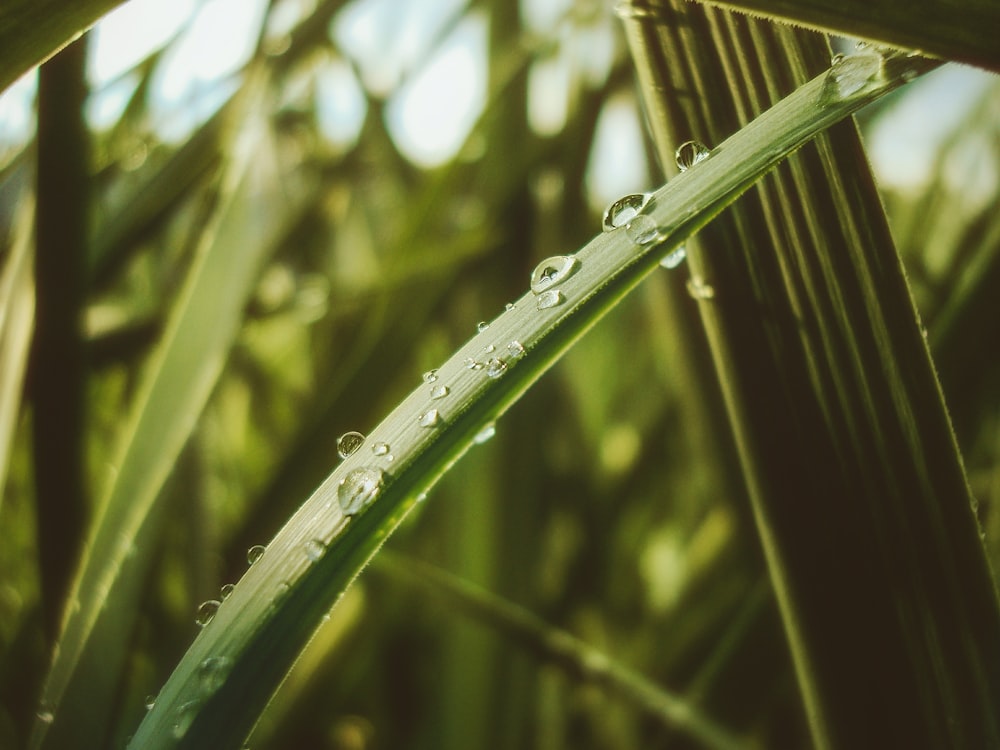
{"x":206,"y":612}
{"x":852,"y":73}
{"x":643,"y":230}
{"x":485,"y":434}
{"x":548,"y":299}
{"x":690,"y":153}
{"x":314,"y":549}
{"x":358,"y":489}
{"x":430,"y":376}
{"x":348,"y":443}
{"x":674,"y":258}
{"x":496,"y":367}
{"x":430,"y":418}
{"x":440,"y":391}
{"x":623,"y":210}
{"x":212,"y":673}
{"x":255,"y":553}
{"x":551,"y":271}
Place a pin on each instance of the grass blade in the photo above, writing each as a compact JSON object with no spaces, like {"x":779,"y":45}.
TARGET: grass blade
{"x":216,"y":693}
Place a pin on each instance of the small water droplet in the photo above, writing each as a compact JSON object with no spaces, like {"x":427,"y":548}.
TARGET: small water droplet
{"x":226,"y":591}
{"x":490,"y":349}
{"x":358,"y":489}
{"x":45,"y":715}
{"x":440,"y":391}
{"x":430,"y":418}
{"x":184,"y":717}
{"x":206,"y":612}
{"x":421,"y":497}
{"x":551,"y":271}
{"x":698,"y":289}
{"x":623,"y":210}
{"x":482,"y":326}
{"x":674,"y":258}
{"x":150,"y":702}
{"x":643,"y":230}
{"x":430,"y":376}
{"x":485,"y":434}
{"x":853,"y":73}
{"x":515,"y":349}
{"x":348,"y":443}
{"x":549,"y":299}
{"x":212,"y":673}
{"x":690,"y":153}
{"x":254,"y":553}
{"x":496,"y":367}
{"x":471,"y":364}
{"x":314,"y":549}
{"x":380,"y":449}
{"x":509,"y":307}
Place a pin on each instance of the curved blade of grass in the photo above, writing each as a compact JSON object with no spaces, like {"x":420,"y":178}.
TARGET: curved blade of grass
{"x":962,"y":30}
{"x":578,"y":658}
{"x":217,"y":691}
{"x":178,"y":380}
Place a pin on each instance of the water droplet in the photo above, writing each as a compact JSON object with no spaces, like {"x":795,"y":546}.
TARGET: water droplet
{"x":485,"y":434}
{"x":674,"y":258}
{"x":430,"y":418}
{"x":496,"y":367}
{"x":184,"y":717}
{"x":852,"y":74}
{"x":254,"y":553}
{"x":45,"y":715}
{"x":430,"y":376}
{"x":358,"y":489}
{"x":515,"y":349}
{"x":226,"y":591}
{"x":421,"y":497}
{"x":348,"y":443}
{"x":623,"y":210}
{"x":509,"y":307}
{"x":212,"y":673}
{"x":642,"y":230}
{"x":490,"y":349}
{"x":440,"y":391}
{"x":482,"y":326}
{"x":690,"y":153}
{"x":551,"y":271}
{"x":150,"y":702}
{"x":380,"y":449}
{"x":206,"y":612}
{"x":549,"y":299}
{"x":315,"y":549}
{"x":471,"y":364}
{"x":699,"y":289}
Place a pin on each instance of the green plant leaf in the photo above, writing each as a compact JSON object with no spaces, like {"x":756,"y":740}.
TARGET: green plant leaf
{"x":216,"y":693}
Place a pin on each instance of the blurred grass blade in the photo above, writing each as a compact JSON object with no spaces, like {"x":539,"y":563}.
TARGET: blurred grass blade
{"x":962,"y":30}
{"x":205,"y":318}
{"x":856,"y":481}
{"x":17,"y":305}
{"x":31,"y":31}
{"x":216,"y":693}
{"x":577,"y":658}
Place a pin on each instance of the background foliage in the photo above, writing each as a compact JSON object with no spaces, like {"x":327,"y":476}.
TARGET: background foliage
{"x":344,"y":270}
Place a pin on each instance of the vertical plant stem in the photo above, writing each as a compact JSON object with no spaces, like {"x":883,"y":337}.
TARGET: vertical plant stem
{"x":58,"y":370}
{"x":856,"y":483}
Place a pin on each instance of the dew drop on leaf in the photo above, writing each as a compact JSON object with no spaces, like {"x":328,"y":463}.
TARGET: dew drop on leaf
{"x":471,"y":364}
{"x":348,"y":443}
{"x":548,"y":299}
{"x":226,"y":591}
{"x":206,"y":612}
{"x":623,"y":210}
{"x":430,"y":376}
{"x":852,"y":73}
{"x":150,"y":702}
{"x":440,"y":391}
{"x":643,"y":230}
{"x":496,"y":367}
{"x":430,"y":418}
{"x":212,"y":673}
{"x":254,"y":553}
{"x":482,"y":326}
{"x":674,"y":258}
{"x":485,"y":434}
{"x":551,"y":271}
{"x":515,"y":349}
{"x":380,"y":449}
{"x":183,"y":718}
{"x":314,"y":549}
{"x":358,"y":489}
{"x":690,"y":153}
